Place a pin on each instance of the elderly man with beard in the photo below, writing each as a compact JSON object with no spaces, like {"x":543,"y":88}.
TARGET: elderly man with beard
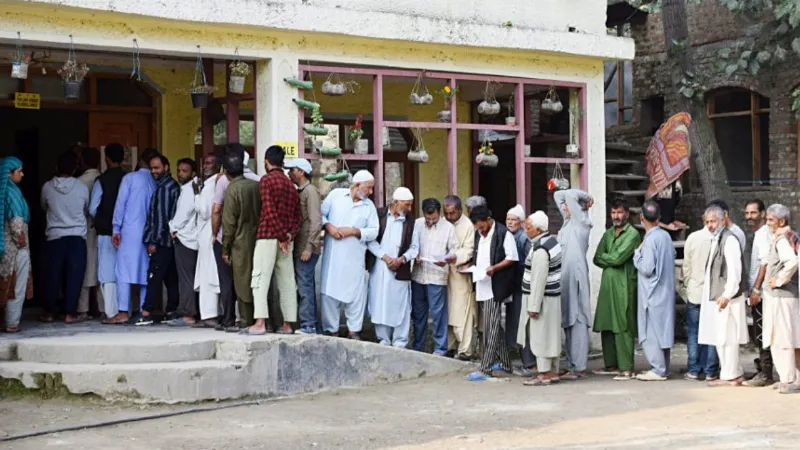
{"x":389,"y":260}
{"x":722,"y":312}
{"x":207,"y":279}
{"x":461,"y":305}
{"x":351,"y":222}
{"x":183,"y":228}
{"x":615,"y":317}
{"x":515,"y":218}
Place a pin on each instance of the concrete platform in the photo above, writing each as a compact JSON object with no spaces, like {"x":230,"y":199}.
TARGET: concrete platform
{"x":161,"y":365}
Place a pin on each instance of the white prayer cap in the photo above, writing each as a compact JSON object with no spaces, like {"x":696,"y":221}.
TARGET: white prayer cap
{"x":540,"y":221}
{"x":517,"y":212}
{"x":362,"y":176}
{"x":402,"y":194}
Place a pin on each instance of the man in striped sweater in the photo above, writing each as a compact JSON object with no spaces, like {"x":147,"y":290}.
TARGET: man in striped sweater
{"x":540,"y":317}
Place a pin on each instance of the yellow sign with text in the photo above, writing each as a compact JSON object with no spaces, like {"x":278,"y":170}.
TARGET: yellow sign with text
{"x":290,"y":148}
{"x":27,"y":101}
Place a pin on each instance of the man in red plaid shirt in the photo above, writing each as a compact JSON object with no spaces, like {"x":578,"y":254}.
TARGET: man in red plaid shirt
{"x":279,"y":223}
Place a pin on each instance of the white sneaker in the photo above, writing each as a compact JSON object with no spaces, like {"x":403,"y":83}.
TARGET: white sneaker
{"x":650,"y":376}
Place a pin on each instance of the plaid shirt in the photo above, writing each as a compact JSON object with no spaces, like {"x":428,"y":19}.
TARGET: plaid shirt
{"x":280,"y":207}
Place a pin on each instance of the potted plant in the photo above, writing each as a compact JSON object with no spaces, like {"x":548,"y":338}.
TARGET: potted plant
{"x":299,"y":84}
{"x":330,"y":152}
{"x":240,"y":70}
{"x":511,"y":120}
{"x":448,"y":94}
{"x":551,"y":103}
{"x":360,"y":146}
{"x":419,"y":93}
{"x":418,"y":152}
{"x":200,"y":94}
{"x":19,"y":66}
{"x":486,"y":156}
{"x":489,"y":106}
{"x":336,"y":87}
{"x":73,"y":74}
{"x":315,"y":128}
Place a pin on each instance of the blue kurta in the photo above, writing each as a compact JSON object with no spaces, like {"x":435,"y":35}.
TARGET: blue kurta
{"x":130,"y":215}
{"x":655,"y":263}
{"x":106,"y":253}
{"x":574,"y":240}
{"x":389,"y":298}
{"x":343,"y":274}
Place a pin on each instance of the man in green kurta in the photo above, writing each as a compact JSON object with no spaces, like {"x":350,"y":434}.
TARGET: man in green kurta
{"x":239,"y":223}
{"x":615,"y":318}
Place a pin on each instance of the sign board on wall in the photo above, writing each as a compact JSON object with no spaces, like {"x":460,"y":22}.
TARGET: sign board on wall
{"x":290,"y":148}
{"x":23,"y":100}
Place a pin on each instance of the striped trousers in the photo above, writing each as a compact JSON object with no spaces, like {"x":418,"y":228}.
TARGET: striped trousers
{"x":494,"y":342}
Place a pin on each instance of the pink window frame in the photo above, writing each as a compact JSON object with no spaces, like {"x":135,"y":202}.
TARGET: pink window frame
{"x":521,"y":161}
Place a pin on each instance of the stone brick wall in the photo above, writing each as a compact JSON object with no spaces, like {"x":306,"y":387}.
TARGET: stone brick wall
{"x":711,"y":28}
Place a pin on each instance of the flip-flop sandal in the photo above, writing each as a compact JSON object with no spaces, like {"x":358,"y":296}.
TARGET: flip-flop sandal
{"x":179,"y":323}
{"x":282,"y":331}
{"x":476,"y":376}
{"x":12,"y":330}
{"x":572,"y":376}
{"x":537,"y":382}
{"x":247,"y":332}
{"x":204,"y":324}
{"x":46,"y":319}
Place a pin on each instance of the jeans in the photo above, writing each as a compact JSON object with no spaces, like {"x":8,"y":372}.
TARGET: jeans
{"x":429,"y":298}
{"x":67,"y":257}
{"x":701,"y":357}
{"x":306,"y":287}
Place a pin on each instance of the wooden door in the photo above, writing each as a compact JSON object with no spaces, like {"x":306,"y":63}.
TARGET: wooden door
{"x":132,"y":130}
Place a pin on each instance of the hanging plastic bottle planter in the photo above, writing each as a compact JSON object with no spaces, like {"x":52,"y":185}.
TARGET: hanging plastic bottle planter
{"x":240,"y":70}
{"x":486,"y":156}
{"x":72,"y":74}
{"x":418,"y":153}
{"x":315,"y":128}
{"x":200,"y":91}
{"x":20,"y":61}
{"x":420,"y":95}
{"x":299,"y":84}
{"x":489,"y":106}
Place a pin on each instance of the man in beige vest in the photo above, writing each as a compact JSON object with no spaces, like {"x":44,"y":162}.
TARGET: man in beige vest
{"x":461,"y":298}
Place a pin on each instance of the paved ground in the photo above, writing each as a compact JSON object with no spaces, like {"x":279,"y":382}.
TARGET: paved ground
{"x":443,"y":413}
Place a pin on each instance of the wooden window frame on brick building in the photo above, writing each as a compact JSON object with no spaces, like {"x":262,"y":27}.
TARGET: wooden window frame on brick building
{"x":754,"y":112}
{"x":619,"y":71}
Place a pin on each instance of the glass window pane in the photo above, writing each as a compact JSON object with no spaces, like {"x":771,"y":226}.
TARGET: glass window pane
{"x":611,"y":114}
{"x":763,"y":102}
{"x":52,"y":89}
{"x":628,"y":82}
{"x":764,"y":146}
{"x":612,"y":90}
{"x":627,"y":115}
{"x":734,"y":135}
{"x":731,"y":100}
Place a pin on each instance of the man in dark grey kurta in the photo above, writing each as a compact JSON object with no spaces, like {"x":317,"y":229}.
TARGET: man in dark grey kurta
{"x":655,"y":262}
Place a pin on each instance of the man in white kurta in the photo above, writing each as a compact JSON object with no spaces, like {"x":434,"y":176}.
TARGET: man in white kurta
{"x":540,"y":316}
{"x":390,"y":298}
{"x":461,"y":305}
{"x":350,"y":221}
{"x":722,"y":312}
{"x":206,"y":277}
{"x":91,"y":158}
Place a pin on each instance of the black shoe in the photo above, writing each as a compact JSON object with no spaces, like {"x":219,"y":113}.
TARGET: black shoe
{"x":140,"y":320}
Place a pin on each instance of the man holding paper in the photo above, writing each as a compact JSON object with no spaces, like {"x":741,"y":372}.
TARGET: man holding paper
{"x":437,"y":247}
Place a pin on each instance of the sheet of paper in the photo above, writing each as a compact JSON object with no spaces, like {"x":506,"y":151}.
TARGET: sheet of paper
{"x":477,"y":274}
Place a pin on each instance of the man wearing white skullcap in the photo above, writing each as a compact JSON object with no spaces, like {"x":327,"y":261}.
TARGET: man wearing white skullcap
{"x":389,"y":262}
{"x":540,"y":317}
{"x":350,"y":221}
{"x":514,"y":222}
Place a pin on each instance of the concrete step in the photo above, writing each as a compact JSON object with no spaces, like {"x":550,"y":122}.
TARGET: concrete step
{"x":622,"y":161}
{"x":633,"y":193}
{"x":116,"y":348}
{"x":626,"y":177}
{"x":170,"y":382}
{"x":618,"y":146}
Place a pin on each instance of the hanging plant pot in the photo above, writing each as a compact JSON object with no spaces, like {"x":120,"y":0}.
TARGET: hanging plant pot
{"x":315,"y":130}
{"x":443,"y":116}
{"x":199,"y":100}
{"x":419,"y":155}
{"x":361,"y":147}
{"x":558,"y":182}
{"x":236,"y":84}
{"x":299,"y":84}
{"x":72,"y":90}
{"x":572,"y":150}
{"x":488,"y":108}
{"x":551,"y":103}
{"x":338,"y":176}
{"x":305,"y":104}
{"x":424,"y":99}
{"x":527,"y":150}
{"x":487,"y":160}
{"x":511,"y":121}
{"x":19,"y":70}
{"x":330,"y":152}
{"x":335,"y":89}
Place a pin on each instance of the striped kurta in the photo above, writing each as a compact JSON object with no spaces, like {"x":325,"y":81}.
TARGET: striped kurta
{"x":162,"y":209}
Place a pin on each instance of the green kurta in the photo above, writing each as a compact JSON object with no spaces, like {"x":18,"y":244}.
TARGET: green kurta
{"x":240,"y":216}
{"x":616,"y":302}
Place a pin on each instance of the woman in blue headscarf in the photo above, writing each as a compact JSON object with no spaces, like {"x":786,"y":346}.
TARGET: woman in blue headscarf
{"x":15,"y":259}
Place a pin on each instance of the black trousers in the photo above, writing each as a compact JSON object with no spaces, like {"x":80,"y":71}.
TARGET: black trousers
{"x":186,"y":263}
{"x":227,"y":298}
{"x":162,"y":272}
{"x":764,"y":362}
{"x":66,"y":263}
{"x":513,"y":311}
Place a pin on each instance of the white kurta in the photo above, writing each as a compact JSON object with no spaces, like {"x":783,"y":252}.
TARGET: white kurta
{"x":206,"y":278}
{"x":781,"y":322}
{"x":343,"y":273}
{"x":729,"y":326}
{"x":389,"y":298}
{"x":90,"y":276}
{"x":544,"y":332}
{"x":460,"y":295}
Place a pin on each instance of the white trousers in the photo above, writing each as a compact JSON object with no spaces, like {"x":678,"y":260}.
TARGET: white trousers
{"x":730,"y":367}
{"x":394,"y":336}
{"x":108,"y":299}
{"x":785,"y":361}
{"x":209,"y":304}
{"x":14,"y":306}
{"x":332,"y":313}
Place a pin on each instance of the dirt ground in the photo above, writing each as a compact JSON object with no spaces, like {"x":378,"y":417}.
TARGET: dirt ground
{"x":440,"y":413}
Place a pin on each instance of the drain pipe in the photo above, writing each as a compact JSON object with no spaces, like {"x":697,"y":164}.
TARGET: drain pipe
{"x":110,"y":423}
